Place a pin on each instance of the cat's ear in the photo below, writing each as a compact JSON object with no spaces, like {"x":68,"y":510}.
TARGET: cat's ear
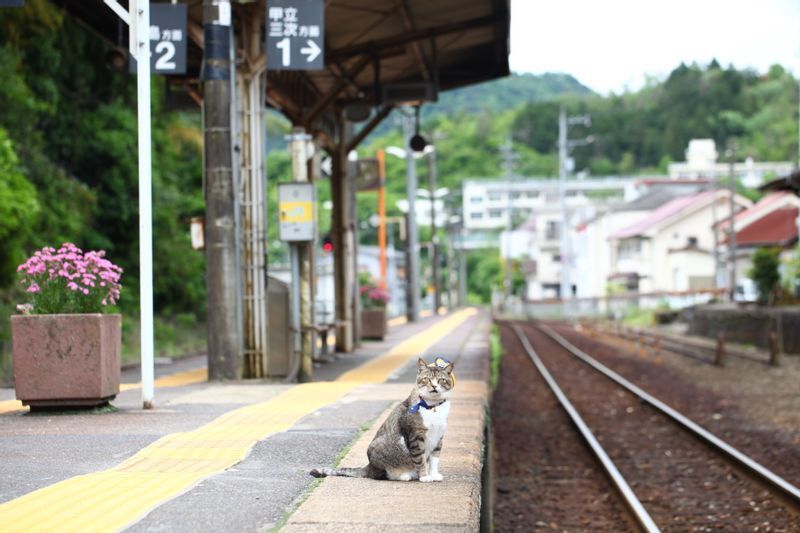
{"x":421,"y":365}
{"x":448,"y":368}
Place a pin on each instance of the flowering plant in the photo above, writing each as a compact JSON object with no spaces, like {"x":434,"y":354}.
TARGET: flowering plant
{"x":68,"y":280}
{"x":373,"y":297}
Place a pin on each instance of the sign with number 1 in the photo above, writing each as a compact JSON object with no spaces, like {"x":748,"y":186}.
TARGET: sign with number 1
{"x":295,"y":34}
{"x":167,"y":39}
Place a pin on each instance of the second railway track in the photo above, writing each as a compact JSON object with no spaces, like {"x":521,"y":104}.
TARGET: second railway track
{"x":680,"y":480}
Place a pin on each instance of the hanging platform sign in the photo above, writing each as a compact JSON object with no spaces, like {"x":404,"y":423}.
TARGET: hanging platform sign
{"x":167,"y":39}
{"x":296,"y":212}
{"x":296,"y":34}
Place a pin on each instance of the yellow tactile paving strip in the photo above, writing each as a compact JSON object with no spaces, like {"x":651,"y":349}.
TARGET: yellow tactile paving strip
{"x":178,"y":379}
{"x":115,"y":498}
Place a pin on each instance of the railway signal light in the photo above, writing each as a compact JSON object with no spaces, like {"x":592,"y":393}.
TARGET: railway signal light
{"x":327,"y":244}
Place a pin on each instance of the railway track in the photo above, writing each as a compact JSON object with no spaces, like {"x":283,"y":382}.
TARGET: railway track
{"x":671,"y":473}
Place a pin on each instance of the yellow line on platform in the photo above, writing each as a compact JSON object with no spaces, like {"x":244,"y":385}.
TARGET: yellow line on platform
{"x":178,"y":379}
{"x":115,"y":498}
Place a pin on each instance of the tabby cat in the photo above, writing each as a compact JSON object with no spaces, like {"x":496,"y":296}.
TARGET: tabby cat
{"x":408,"y":444}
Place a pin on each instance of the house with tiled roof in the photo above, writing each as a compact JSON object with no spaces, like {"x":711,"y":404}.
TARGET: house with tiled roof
{"x":772,"y":222}
{"x":671,"y":248}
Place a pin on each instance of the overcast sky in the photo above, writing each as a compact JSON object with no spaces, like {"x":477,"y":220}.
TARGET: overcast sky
{"x":612,"y":45}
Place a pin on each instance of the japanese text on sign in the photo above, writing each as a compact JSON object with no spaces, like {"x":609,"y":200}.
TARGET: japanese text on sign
{"x":295,"y":34}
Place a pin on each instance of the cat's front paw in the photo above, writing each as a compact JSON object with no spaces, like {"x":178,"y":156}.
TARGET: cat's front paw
{"x":437,"y":477}
{"x":430,"y":478}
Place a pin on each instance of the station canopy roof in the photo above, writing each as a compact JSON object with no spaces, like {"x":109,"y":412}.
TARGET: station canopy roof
{"x":369,"y":44}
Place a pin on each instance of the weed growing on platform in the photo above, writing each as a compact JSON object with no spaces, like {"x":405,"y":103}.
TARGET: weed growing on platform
{"x":495,"y":355}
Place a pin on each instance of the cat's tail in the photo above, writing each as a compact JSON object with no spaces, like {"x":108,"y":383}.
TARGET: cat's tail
{"x":364,"y":471}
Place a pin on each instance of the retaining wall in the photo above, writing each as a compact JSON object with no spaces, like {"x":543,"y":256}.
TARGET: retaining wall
{"x":747,"y":325}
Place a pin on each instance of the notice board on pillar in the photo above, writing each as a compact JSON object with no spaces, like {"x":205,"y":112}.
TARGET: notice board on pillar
{"x":296,"y":212}
{"x":296,"y":34}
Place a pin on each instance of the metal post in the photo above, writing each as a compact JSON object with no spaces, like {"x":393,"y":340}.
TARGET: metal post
{"x":462,"y":270}
{"x":224,"y":361}
{"x":301,"y":270}
{"x":732,"y":228}
{"x":437,"y":290}
{"x":382,"y":215}
{"x":412,"y":266}
{"x":565,"y":289}
{"x":140,"y":13}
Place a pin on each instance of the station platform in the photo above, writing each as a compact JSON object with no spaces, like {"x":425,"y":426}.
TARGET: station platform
{"x":236,"y":456}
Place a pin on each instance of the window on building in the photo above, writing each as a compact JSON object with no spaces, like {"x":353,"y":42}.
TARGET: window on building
{"x":495,"y":196}
{"x":532,"y":194}
{"x":476,"y":216}
{"x":628,"y":249}
{"x":495,"y":213}
{"x":691,"y":241}
{"x":516,"y":195}
{"x":476,"y":199}
{"x":551,"y":230}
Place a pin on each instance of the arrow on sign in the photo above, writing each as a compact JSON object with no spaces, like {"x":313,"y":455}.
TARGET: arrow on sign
{"x":311,"y":51}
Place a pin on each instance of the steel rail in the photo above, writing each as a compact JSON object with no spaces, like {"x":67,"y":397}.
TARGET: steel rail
{"x":787,"y":489}
{"x":633,"y":503}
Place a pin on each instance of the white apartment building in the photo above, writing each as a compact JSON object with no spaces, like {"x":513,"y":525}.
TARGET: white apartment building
{"x":487,"y":204}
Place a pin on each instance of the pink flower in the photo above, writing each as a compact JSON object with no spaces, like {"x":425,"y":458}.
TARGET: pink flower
{"x":72,"y":286}
{"x":33,"y":288}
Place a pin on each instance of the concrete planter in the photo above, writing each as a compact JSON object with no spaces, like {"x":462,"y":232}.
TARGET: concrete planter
{"x":373,"y":323}
{"x":66,"y":360}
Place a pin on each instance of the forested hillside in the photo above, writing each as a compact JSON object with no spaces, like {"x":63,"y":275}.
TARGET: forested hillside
{"x":68,"y":146}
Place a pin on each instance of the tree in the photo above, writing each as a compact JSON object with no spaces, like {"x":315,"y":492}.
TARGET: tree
{"x":18,"y":208}
{"x":765,"y":272}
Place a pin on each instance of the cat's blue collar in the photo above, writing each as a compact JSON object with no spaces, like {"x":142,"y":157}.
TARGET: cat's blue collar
{"x":422,"y":403}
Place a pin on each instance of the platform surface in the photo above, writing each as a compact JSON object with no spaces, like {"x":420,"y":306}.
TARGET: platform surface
{"x":236,"y":456}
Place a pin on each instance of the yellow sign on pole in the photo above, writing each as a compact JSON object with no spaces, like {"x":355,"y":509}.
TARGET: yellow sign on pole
{"x":297,"y":212}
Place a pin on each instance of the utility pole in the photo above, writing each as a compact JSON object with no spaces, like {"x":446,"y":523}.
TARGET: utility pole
{"x":220,"y":229}
{"x":565,"y":290}
{"x":509,"y":160}
{"x":412,"y":265}
{"x":437,"y":294}
{"x":564,"y":147}
{"x":715,"y":227}
{"x":731,"y":225}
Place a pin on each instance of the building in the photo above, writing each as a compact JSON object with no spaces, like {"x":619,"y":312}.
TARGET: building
{"x":702,"y":162}
{"x":671,"y":248}
{"x":772,"y":222}
{"x":591,"y":245}
{"x":489,"y":204}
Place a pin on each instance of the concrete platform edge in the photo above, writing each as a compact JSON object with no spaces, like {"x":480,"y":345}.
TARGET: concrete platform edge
{"x":345,"y":504}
